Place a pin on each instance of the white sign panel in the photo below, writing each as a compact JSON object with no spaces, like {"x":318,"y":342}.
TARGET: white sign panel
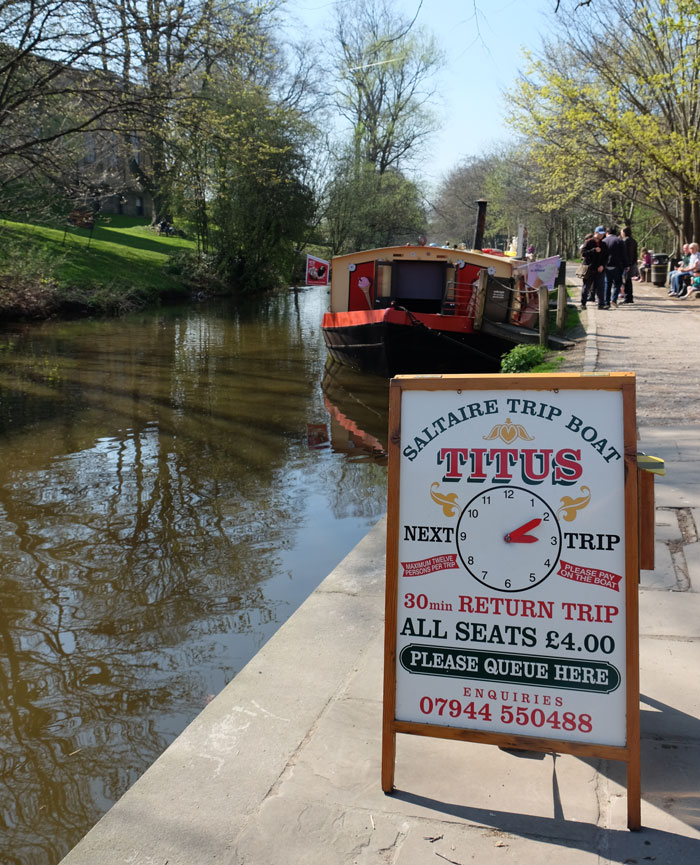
{"x":511,"y":563}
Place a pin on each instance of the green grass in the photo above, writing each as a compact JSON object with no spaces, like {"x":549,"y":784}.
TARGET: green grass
{"x":550,"y":364}
{"x":122,"y":250}
{"x":53,"y":268}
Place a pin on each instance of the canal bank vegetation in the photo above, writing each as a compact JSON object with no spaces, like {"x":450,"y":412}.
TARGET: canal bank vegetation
{"x":530,"y":358}
{"x":120,"y":265}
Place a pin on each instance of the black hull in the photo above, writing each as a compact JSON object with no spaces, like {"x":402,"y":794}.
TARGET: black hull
{"x":394,"y":349}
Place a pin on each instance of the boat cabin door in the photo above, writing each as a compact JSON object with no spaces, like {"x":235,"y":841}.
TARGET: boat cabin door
{"x":499,"y":296}
{"x":418,"y":286}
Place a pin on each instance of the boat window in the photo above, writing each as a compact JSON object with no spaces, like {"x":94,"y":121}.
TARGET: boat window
{"x":383,"y":283}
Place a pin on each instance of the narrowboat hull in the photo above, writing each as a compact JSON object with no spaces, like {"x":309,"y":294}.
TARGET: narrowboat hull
{"x":388,"y":348}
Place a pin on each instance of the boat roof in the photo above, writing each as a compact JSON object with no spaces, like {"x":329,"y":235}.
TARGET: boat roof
{"x":503,"y":265}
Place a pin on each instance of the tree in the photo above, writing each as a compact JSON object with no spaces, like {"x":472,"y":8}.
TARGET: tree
{"x":613,"y":111}
{"x":54,"y":90}
{"x":174,"y":53}
{"x":383,"y":71}
{"x":131,"y":68}
{"x":261,"y":208}
{"x":369,"y":209}
{"x":508,"y":177}
{"x":454,"y":208}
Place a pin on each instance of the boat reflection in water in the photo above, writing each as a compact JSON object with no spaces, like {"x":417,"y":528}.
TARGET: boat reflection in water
{"x":358,"y":407}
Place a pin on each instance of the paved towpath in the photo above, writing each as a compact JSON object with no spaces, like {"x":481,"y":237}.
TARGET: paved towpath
{"x":659,"y":338}
{"x":283,"y":766}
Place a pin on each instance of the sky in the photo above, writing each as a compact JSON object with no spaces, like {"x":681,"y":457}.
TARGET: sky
{"x":482,"y":40}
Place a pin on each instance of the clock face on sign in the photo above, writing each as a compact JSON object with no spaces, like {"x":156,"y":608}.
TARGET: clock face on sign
{"x":509,"y":538}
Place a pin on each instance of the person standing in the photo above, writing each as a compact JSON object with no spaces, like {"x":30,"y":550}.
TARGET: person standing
{"x":632,"y":268}
{"x":594,"y":254}
{"x":614,"y":267}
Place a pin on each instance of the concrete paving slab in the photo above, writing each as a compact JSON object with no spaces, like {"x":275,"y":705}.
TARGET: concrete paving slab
{"x":464,"y":844}
{"x":677,"y":443}
{"x":683,"y":472}
{"x":482,"y":779}
{"x":668,"y":685}
{"x":678,"y":491}
{"x":666,"y":526}
{"x":665,"y":817}
{"x":670,"y":773}
{"x":365,"y":682}
{"x":316,"y":833}
{"x":651,"y":845}
{"x":680,"y":474}
{"x":663,"y":577}
{"x":362,"y":572}
{"x":340,"y":764}
{"x":692,"y":558}
{"x":676,"y":495}
{"x":675,"y":614}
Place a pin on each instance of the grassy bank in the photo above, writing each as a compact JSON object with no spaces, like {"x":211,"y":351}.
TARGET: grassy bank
{"x":122,"y":266}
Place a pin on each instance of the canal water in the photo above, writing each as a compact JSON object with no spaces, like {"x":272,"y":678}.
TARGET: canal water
{"x":173,"y":485}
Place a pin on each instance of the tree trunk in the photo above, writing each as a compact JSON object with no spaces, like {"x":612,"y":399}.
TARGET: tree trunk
{"x":686,"y":220}
{"x":696,"y":221}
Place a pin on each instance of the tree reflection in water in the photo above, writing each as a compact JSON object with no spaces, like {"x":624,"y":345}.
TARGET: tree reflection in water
{"x":160,"y":516}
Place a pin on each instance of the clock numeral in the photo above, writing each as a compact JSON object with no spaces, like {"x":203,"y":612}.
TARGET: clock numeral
{"x":532,"y":578}
{"x":507,"y":584}
{"x":508,"y":494}
{"x":483,"y":573}
{"x":486,"y":500}
{"x":547,"y":563}
{"x":473,"y":513}
{"x":545,"y":517}
{"x":470,"y":560}
{"x":554,"y":541}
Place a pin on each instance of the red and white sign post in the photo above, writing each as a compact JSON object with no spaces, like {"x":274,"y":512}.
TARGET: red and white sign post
{"x":317,"y":270}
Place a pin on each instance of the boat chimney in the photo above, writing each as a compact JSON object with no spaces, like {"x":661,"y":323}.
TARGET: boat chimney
{"x":480,"y":223}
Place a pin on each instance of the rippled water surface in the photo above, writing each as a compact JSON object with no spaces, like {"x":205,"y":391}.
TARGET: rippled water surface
{"x":172,"y":486}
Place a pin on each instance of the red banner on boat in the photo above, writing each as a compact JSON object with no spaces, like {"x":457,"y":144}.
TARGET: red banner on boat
{"x":317,"y":270}
{"x":592,"y":576}
{"x":429,"y":566}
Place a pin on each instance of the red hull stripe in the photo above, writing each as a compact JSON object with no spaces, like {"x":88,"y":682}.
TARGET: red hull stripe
{"x":451,"y":323}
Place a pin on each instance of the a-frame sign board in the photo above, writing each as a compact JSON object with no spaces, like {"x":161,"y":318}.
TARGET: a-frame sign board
{"x":513,"y":566}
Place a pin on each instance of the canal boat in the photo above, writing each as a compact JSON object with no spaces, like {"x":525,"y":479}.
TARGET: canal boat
{"x":427,"y":309}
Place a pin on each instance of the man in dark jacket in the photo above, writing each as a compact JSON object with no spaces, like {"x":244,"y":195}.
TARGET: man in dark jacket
{"x":632,"y":269}
{"x":614,"y":266}
{"x":594,"y":254}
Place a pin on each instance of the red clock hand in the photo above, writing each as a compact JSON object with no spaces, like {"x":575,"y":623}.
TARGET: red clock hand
{"x":520,"y":535}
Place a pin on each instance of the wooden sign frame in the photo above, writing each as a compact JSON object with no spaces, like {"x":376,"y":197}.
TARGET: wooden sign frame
{"x":502,"y":395}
